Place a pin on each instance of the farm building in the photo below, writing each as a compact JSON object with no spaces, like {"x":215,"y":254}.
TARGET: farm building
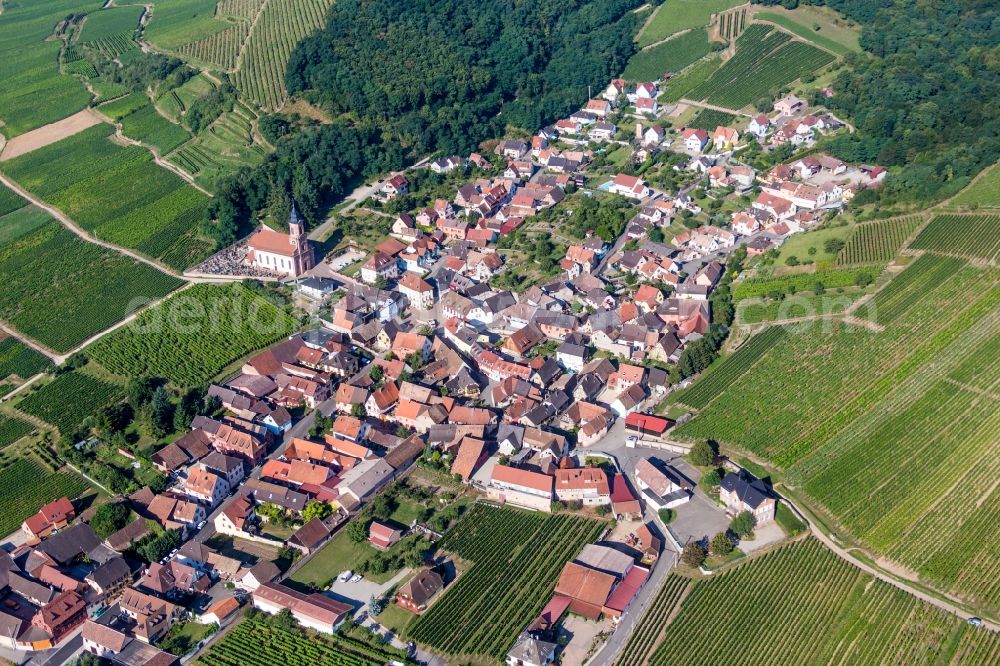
{"x":646,"y":424}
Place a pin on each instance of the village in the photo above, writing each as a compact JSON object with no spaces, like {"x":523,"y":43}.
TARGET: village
{"x":428,"y":360}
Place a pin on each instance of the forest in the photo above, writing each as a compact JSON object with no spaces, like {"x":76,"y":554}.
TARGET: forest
{"x":447,"y":74}
{"x":923,"y":94}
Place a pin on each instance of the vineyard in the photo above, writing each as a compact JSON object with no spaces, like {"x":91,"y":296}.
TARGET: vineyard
{"x":190,"y":338}
{"x":61,"y":290}
{"x":225,"y":147}
{"x":280,"y":26}
{"x":788,"y":284}
{"x":802,"y":604}
{"x":672,"y":55}
{"x":766,"y":59}
{"x":12,"y":429}
{"x":69,"y":399}
{"x":117,"y":193}
{"x":149,"y":127}
{"x":733,"y":23}
{"x":257,"y":642}
{"x":110,"y":22}
{"x":123,"y":106}
{"x":10,"y":201}
{"x":517,"y":558}
{"x":19,"y":360}
{"x":709,"y":119}
{"x":970,"y":236}
{"x":877,"y":242}
{"x":646,"y":635}
{"x":25,"y":485}
{"x":223,"y":48}
{"x":178,"y":22}
{"x":679,"y":87}
{"x":715,"y":380}
{"x":886,"y":431}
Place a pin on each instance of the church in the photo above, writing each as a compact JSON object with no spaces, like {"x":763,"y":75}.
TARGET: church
{"x":288,"y":254}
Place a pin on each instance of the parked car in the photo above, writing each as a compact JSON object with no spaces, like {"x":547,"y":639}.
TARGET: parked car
{"x":355,"y":578}
{"x":345,"y":576}
{"x":975,"y":621}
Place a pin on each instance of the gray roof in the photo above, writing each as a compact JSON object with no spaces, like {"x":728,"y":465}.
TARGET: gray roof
{"x":110,"y":573}
{"x":751,"y":491}
{"x":606,"y":559}
{"x":70,"y":543}
{"x":530,"y":650}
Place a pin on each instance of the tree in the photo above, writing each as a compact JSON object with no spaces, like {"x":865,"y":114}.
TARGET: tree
{"x":357,"y":531}
{"x":162,"y":413}
{"x":376,"y":373}
{"x":863,"y":279}
{"x":109,"y":518}
{"x":358,"y":411}
{"x":833,"y":245}
{"x":316,"y":509}
{"x":320,"y":425}
{"x":140,"y":391}
{"x":721,"y":545}
{"x":742,"y":525}
{"x":693,"y":554}
{"x":710,"y":479}
{"x":154,"y":547}
{"x":667,"y":515}
{"x":701,"y":454}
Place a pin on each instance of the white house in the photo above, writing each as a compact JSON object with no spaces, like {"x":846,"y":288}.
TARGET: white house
{"x":694,"y":139}
{"x":521,"y":487}
{"x":315,"y":611}
{"x":629,"y":186}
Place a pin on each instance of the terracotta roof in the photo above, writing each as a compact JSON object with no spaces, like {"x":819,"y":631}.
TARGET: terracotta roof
{"x":588,"y":585}
{"x":522,"y":477}
{"x":223,"y":608}
{"x":266,"y":239}
{"x":316,"y":606}
{"x":582,"y":479}
{"x":470,"y":451}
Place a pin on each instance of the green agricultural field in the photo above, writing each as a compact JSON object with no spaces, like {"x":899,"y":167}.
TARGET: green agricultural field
{"x":192,"y":337}
{"x":222,"y":49}
{"x":517,"y":558}
{"x":119,"y":194}
{"x":670,"y":56}
{"x":149,"y":127}
{"x":25,"y":485}
{"x":280,"y":26}
{"x":970,"y":236}
{"x":179,"y":22}
{"x":123,"y":106}
{"x":877,"y":242}
{"x":709,"y":119}
{"x":819,"y":25}
{"x":887,"y":430}
{"x":724,"y":371}
{"x":766,"y":59}
{"x":679,"y":86}
{"x":12,"y":429}
{"x":258,"y":642}
{"x":676,"y":15}
{"x":789,"y":284}
{"x":176,"y":102}
{"x":69,"y":399}
{"x":225,"y":147}
{"x":110,"y":22}
{"x":801,"y":304}
{"x":61,"y":290}
{"x":819,"y":609}
{"x":811,"y":246}
{"x":21,"y":222}
{"x":19,"y":360}
{"x":984,"y":193}
{"x":34,"y":93}
{"x":10,"y":201}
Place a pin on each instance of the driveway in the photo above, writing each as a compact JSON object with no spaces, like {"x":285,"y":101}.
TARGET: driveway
{"x":358,"y":594}
{"x":581,"y":633}
{"x":699,"y":519}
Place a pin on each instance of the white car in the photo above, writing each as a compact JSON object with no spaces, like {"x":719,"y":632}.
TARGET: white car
{"x":632,"y":439}
{"x":345,"y":576}
{"x":355,"y":578}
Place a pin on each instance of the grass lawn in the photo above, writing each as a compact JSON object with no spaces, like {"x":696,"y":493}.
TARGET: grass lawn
{"x":788,"y":521}
{"x":676,"y":15}
{"x":834,"y":33}
{"x":798,"y":245}
{"x":338,"y":555}
{"x":619,"y":156}
{"x":397,"y":619}
{"x":716,"y":561}
{"x":984,"y":193}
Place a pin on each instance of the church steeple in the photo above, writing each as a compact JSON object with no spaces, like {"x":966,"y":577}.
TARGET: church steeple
{"x":296,"y":227}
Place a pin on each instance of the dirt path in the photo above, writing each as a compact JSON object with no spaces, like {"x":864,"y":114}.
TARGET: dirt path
{"x":250,"y":31}
{"x":79,"y":231}
{"x":714,"y":107}
{"x":665,"y":39}
{"x":37,"y":346}
{"x":49,"y":134}
{"x":886,"y":578}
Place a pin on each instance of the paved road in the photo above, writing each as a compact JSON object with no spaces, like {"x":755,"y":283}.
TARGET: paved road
{"x":300,"y":429}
